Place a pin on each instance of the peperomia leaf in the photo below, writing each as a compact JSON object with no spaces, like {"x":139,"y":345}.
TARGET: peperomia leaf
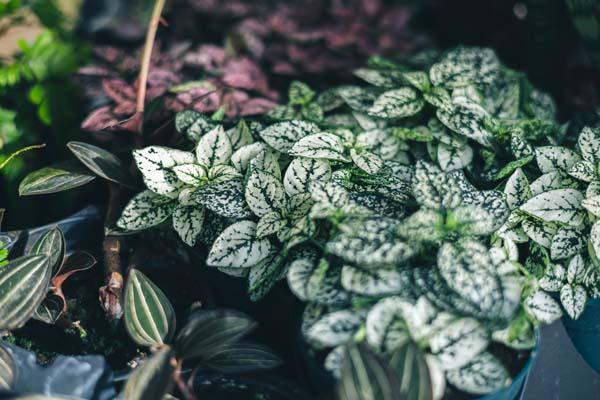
{"x":238,"y":246}
{"x":152,"y":380}
{"x":149,"y":316}
{"x":24,"y":283}
{"x":145,"y":210}
{"x":54,"y":179}
{"x":101,"y":162}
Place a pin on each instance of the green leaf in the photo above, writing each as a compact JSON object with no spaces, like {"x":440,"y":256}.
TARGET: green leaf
{"x":188,"y":222}
{"x":559,"y":205}
{"x":153,"y":379}
{"x":283,"y":135}
{"x":364,"y":376}
{"x":145,"y":210}
{"x":214,"y":148}
{"x":238,"y":246}
{"x":24,"y":283}
{"x":512,"y":166}
{"x":51,"y":243}
{"x":264,"y":193}
{"x":299,"y":93}
{"x":156,"y":163}
{"x":209,"y":330}
{"x":397,"y":103}
{"x":100,"y":162}
{"x":484,"y":374}
{"x":54,"y":179}
{"x":149,"y":315}
{"x":302,"y":171}
{"x":320,"y":145}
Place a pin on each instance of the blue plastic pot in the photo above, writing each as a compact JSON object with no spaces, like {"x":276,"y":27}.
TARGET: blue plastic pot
{"x":585,"y":333}
{"x":515,"y":389}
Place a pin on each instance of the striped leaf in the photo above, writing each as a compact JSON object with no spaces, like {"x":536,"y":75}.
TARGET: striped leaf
{"x":365,"y":377}
{"x":559,"y":205}
{"x":264,"y":193}
{"x":145,"y":210}
{"x":7,"y":370}
{"x":282,"y":135}
{"x":214,"y":148}
{"x":238,"y":246}
{"x":24,"y":283}
{"x":153,"y":379}
{"x":302,"y":171}
{"x":156,"y":164}
{"x":410,"y":366}
{"x":51,"y":243}
{"x":188,"y":222}
{"x":101,"y":162}
{"x":54,"y":179}
{"x":149,"y":316}
{"x":397,"y":103}
{"x":484,"y":374}
{"x":320,"y":145}
{"x":242,"y":357}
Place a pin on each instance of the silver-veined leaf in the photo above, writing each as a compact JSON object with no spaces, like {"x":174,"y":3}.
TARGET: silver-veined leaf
{"x":238,"y":246}
{"x":465,"y":65}
{"x":589,"y":144}
{"x":367,"y":161}
{"x":24,"y":283}
{"x":145,"y":210}
{"x":149,"y":315}
{"x":242,"y":157}
{"x":467,"y":119}
{"x":373,"y":282}
{"x":191,"y":174}
{"x":269,"y":224}
{"x":53,"y":244}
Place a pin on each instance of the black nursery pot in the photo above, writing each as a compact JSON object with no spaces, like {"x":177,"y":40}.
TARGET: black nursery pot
{"x":584,"y":333}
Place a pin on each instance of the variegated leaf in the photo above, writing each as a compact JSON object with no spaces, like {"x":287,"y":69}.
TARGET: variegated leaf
{"x":214,"y":148}
{"x":474,"y":220}
{"x":240,"y":136}
{"x":385,"y":326}
{"x":517,"y":189}
{"x":553,"y":158}
{"x":592,"y":204}
{"x":149,"y":316}
{"x":567,"y":242}
{"x":583,"y":170}
{"x":541,"y":306}
{"x":238,"y":246}
{"x":267,"y":161}
{"x":356,"y":97}
{"x":465,"y":65}
{"x":302,"y":171}
{"x":264,"y":193}
{"x":381,"y":142}
{"x":329,"y":193}
{"x":242,"y":157}
{"x":283,"y":135}
{"x":550,"y":181}
{"x":397,"y":103}
{"x":433,"y":188}
{"x":156,"y":164}
{"x":539,"y":231}
{"x":484,"y":374}
{"x":334,"y":329}
{"x":311,"y":280}
{"x":458,"y":343}
{"x":373,"y":282}
{"x":224,"y":198}
{"x":576,"y":270}
{"x":7,"y":370}
{"x":467,"y":119}
{"x":559,"y":205}
{"x":381,"y":78}
{"x":554,"y":278}
{"x":367,"y":161}
{"x":595,"y":238}
{"x":451,"y":158}
{"x":24,"y":283}
{"x":270,"y":223}
{"x":153,"y":379}
{"x":321,"y":145}
{"x":512,"y":166}
{"x":589,"y":144}
{"x":299,"y":93}
{"x":265,"y":275}
{"x":188,"y":222}
{"x":525,"y":340}
{"x":145,"y":210}
{"x":191,"y":174}
{"x":573,"y":299}
{"x":52,"y":243}
{"x":223,"y":173}
{"x":423,"y":225}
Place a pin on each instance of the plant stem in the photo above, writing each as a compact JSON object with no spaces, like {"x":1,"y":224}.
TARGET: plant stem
{"x":21,"y":151}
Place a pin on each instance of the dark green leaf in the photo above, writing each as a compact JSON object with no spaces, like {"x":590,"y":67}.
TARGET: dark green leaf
{"x":100,"y":162}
